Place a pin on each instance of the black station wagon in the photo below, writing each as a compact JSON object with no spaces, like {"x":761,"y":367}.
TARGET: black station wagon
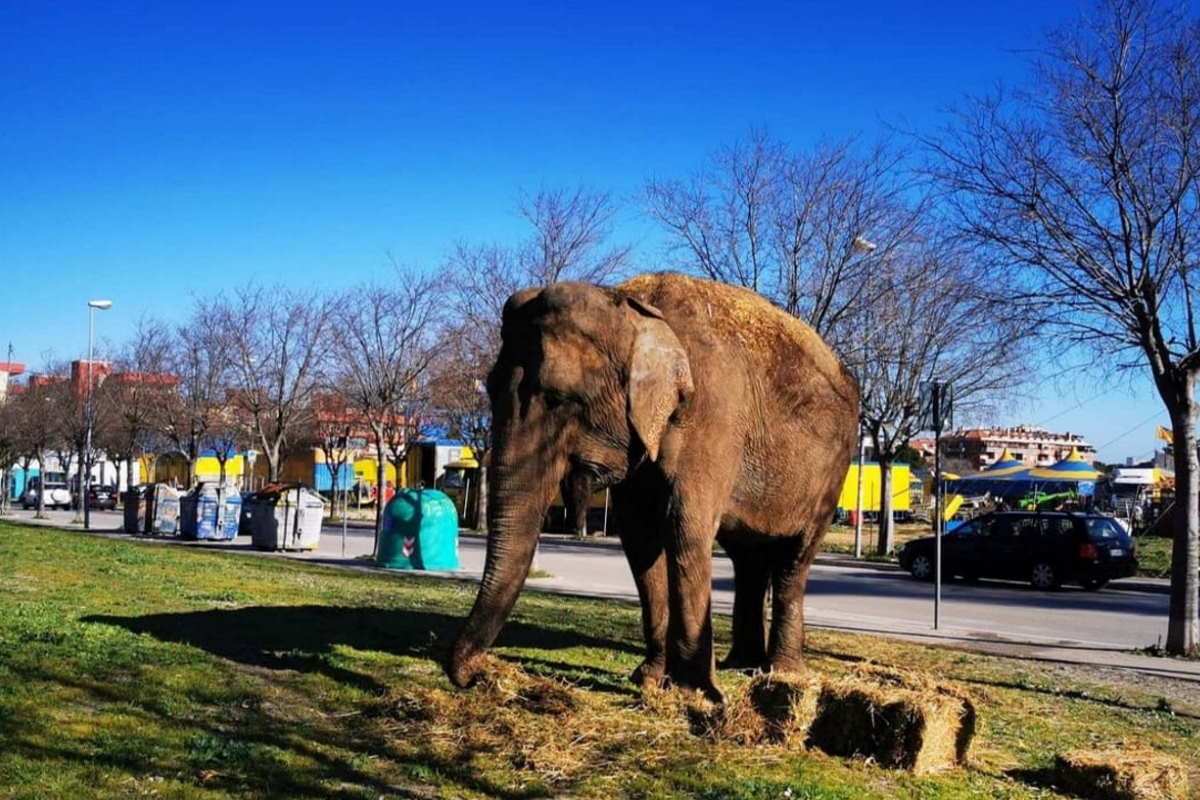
{"x":1046,"y":549}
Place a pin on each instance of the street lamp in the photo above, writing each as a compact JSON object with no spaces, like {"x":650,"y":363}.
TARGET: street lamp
{"x":861,"y":244}
{"x":93,"y":307}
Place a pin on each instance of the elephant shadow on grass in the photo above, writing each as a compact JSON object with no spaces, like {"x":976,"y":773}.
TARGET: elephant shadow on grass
{"x":303,"y":637}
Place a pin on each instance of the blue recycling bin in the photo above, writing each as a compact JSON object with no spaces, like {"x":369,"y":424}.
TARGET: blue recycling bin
{"x":420,"y":531}
{"x":210,"y":511}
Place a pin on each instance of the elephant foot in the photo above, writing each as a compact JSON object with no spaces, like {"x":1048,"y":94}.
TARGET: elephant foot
{"x":699,"y":681}
{"x":650,"y":674}
{"x":464,"y":672}
{"x":737,"y":660}
{"x":779,"y":663}
{"x":708,"y":688}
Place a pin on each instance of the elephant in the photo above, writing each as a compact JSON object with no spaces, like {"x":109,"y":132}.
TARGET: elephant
{"x":710,"y":413}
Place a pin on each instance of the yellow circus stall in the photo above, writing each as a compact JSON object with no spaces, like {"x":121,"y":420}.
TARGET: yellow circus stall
{"x":872,"y":489}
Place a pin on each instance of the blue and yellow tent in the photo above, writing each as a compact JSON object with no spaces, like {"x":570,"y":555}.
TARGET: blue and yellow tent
{"x":1072,"y":469}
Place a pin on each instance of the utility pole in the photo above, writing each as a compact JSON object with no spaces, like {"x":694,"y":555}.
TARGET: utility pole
{"x":858,"y":506}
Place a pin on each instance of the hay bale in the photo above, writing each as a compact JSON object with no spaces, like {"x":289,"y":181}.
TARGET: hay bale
{"x":900,"y":720}
{"x":1122,"y":774}
{"x":786,"y":703}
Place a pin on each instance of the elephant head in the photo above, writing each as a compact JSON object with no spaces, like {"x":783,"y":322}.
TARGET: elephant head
{"x":585,"y":384}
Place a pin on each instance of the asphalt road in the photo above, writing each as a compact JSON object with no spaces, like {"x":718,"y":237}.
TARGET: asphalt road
{"x":1069,"y":624}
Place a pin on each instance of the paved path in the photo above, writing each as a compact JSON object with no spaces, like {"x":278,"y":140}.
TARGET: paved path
{"x":1006,"y":618}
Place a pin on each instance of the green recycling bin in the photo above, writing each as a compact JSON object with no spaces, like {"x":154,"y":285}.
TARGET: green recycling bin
{"x":420,"y":531}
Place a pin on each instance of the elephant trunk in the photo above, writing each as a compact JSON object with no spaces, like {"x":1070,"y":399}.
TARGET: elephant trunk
{"x":517,"y":503}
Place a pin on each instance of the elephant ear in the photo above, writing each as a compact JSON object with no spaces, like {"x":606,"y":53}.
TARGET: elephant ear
{"x":660,"y":377}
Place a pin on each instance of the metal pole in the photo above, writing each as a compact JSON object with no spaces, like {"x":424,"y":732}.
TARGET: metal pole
{"x":605,"y":530}
{"x":346,"y":511}
{"x":87,"y":448}
{"x":858,"y":506}
{"x":937,"y":506}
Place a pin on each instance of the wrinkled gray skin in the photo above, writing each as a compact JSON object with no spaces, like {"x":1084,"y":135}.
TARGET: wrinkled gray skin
{"x":710,"y":413}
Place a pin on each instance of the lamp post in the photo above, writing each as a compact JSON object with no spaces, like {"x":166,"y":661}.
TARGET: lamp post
{"x":93,"y":307}
{"x":862,"y":245}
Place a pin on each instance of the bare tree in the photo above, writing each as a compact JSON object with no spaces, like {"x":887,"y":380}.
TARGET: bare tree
{"x":199,"y":356}
{"x":276,"y":340}
{"x":381,"y":363}
{"x":572,"y":231}
{"x":786,"y":224}
{"x":130,"y":402}
{"x":37,"y":426}
{"x":929,"y":320}
{"x":331,"y":429}
{"x":571,"y":240}
{"x":463,"y":406}
{"x":10,"y":448}
{"x":1085,"y":189}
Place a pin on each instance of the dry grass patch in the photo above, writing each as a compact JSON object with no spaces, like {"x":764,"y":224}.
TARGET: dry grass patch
{"x":543,"y":728}
{"x":1122,"y":774}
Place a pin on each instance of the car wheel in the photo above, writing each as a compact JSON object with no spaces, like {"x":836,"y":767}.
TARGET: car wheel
{"x":1093,"y":584}
{"x":921,"y":568}
{"x":1044,"y":576}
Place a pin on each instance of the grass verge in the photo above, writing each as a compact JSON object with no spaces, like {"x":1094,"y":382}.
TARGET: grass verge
{"x":132,"y":669}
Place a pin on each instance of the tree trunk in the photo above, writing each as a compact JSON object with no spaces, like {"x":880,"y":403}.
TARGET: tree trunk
{"x":129,"y":472}
{"x":886,"y":528}
{"x":41,"y":503}
{"x":1183,"y":627}
{"x":481,"y":496}
{"x":380,"y":491}
{"x":272,"y":454}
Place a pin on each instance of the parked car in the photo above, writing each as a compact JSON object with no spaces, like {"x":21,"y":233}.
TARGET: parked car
{"x":57,"y":494}
{"x":1046,"y":549}
{"x":102,"y":498}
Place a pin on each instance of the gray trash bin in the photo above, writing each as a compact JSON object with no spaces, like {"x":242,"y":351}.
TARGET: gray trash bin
{"x":163,"y":516}
{"x":284,"y":517}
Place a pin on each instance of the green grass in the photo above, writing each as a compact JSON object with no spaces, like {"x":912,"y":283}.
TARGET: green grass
{"x":132,"y":669}
{"x":1154,"y":556}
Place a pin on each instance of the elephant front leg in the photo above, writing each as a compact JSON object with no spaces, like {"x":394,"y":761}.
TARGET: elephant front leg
{"x":751,"y":576}
{"x":689,"y":630}
{"x":643,"y":544}
{"x":791,"y":561}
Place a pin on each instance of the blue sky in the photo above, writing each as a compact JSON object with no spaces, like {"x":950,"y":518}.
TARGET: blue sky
{"x":155,"y":150}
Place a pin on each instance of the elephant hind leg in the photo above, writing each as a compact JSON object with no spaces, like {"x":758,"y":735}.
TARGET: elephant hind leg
{"x":751,"y":576}
{"x":791,"y":560}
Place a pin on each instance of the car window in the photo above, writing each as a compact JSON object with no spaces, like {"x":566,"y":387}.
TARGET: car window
{"x":1001,"y":528}
{"x":967,"y":529}
{"x":1103,"y":529}
{"x":1058,"y":526}
{"x":1026,"y":526}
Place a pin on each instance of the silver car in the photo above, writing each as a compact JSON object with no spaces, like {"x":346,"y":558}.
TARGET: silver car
{"x":57,"y":494}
